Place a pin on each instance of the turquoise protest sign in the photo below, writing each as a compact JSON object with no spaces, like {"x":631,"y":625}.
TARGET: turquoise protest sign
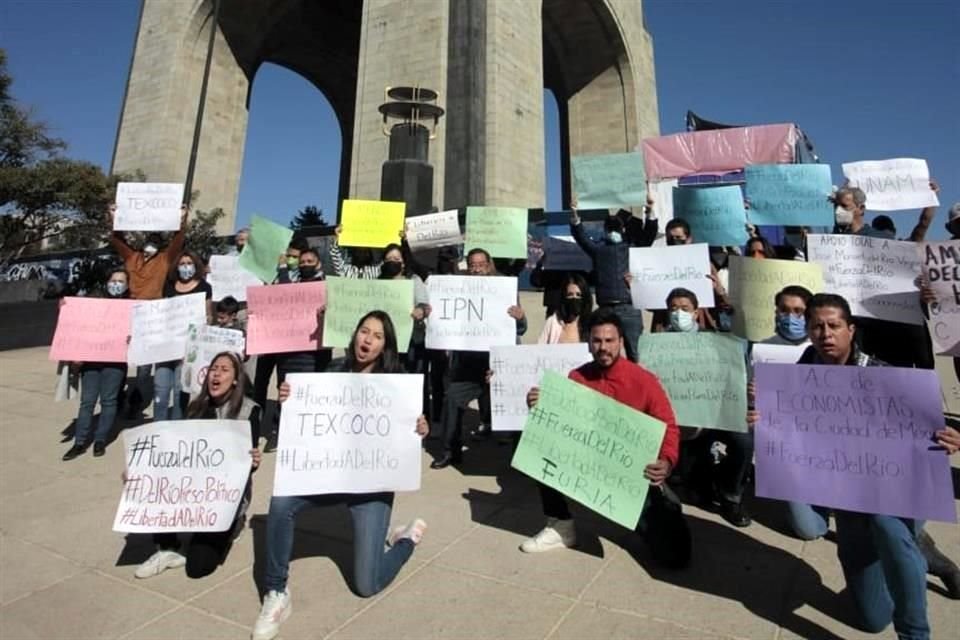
{"x":789,"y":194}
{"x":609,"y":181}
{"x":705,"y":375}
{"x":500,"y":231}
{"x":715,"y":214}
{"x":266,"y":242}
{"x":589,"y":447}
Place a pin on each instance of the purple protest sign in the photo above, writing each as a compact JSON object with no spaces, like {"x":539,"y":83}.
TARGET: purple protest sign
{"x":853,"y":438}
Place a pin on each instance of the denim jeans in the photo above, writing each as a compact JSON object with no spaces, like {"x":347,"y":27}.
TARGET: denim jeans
{"x":373,"y":569}
{"x":807,"y":521}
{"x":166,"y":380}
{"x":885,"y":572}
{"x":632,"y":320}
{"x":101,"y":381}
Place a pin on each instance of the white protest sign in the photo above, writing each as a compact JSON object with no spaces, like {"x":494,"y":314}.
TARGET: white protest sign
{"x":158,"y":328}
{"x":777,"y":353}
{"x":349,"y":433}
{"x":892,"y":185}
{"x":183,"y":475}
{"x":518,"y":368}
{"x":662,"y":194}
{"x":656,"y":271}
{"x":941,"y":267}
{"x":228,"y":278}
{"x":875,"y":275}
{"x":562,"y":253}
{"x":203,"y":343}
{"x":434,"y":230}
{"x":148,"y":206}
{"x":469,"y":313}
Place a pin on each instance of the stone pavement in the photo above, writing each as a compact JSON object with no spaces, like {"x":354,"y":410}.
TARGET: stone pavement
{"x":65,"y":574}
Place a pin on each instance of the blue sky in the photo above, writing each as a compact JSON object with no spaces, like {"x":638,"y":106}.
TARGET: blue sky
{"x":866,"y":80}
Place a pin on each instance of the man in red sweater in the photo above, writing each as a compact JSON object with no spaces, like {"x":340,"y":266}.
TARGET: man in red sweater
{"x":661,"y":522}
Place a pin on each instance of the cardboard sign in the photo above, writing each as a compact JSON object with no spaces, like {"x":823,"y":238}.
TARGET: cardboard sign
{"x":656,"y":271}
{"x":789,"y":194}
{"x":352,"y":298}
{"x":434,"y":230}
{"x":371,"y":223}
{"x":892,"y":185}
{"x":228,"y":278}
{"x":148,"y":206}
{"x":282,"y":318}
{"x":158,"y":328}
{"x":941,"y":268}
{"x":183,"y":475}
{"x":266,"y":242}
{"x":853,"y":438}
{"x":92,"y":330}
{"x":204,"y":342}
{"x":500,"y":231}
{"x":878,"y":277}
{"x":609,"y":181}
{"x":754,"y":285}
{"x":469,"y":313}
{"x":715,"y":214}
{"x":349,"y":433}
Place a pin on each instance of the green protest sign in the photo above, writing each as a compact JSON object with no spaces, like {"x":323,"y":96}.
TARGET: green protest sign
{"x":500,"y":231}
{"x":349,"y":299}
{"x":705,"y":375}
{"x":609,"y":181}
{"x":589,"y":447}
{"x":267,"y":240}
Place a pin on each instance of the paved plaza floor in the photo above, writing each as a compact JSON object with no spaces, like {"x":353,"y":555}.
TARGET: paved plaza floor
{"x":65,"y":574}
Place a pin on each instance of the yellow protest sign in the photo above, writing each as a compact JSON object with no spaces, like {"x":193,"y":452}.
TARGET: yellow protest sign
{"x":371,"y":223}
{"x":755,"y":283}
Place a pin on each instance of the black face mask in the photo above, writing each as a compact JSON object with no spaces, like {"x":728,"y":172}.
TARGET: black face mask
{"x":569,"y":309}
{"x":308,"y":272}
{"x":390,"y":269}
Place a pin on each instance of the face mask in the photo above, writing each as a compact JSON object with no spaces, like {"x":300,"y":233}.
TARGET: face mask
{"x":569,"y":308}
{"x":791,"y":327}
{"x":293,"y":263}
{"x":186,"y":271}
{"x":842,"y":216}
{"x":614,"y":237}
{"x":308,"y":272}
{"x":391,"y":269}
{"x":116,"y":288}
{"x":682,"y":321}
{"x":150,"y":250}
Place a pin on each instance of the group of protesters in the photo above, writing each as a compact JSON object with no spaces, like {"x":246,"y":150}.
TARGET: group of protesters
{"x":884,"y":558}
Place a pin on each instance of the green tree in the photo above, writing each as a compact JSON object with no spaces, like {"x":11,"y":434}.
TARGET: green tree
{"x":202,"y":233}
{"x":309,"y":216}
{"x":43,"y":195}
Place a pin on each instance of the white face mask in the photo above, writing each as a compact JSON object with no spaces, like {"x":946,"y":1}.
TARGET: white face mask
{"x":682,"y":321}
{"x":842,"y":216}
{"x":150,"y":250}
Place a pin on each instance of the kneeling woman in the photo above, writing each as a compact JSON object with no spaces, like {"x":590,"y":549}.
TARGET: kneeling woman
{"x":372,"y":349}
{"x":223,"y":397}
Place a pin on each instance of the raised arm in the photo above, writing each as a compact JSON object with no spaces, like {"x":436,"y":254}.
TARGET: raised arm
{"x":340,"y":263}
{"x":580,"y":236}
{"x":180,"y":238}
{"x":116,"y":238}
{"x":919,"y":232}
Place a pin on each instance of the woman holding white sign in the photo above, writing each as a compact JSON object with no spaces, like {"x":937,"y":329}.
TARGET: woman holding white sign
{"x":372,"y":349}
{"x":224,"y":397}
{"x":100,"y":380}
{"x":186,"y":277}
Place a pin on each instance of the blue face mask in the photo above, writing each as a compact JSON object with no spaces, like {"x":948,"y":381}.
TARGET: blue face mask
{"x":792,"y":327}
{"x":614,"y":237}
{"x":116,"y":288}
{"x":682,"y":321}
{"x":186,"y":271}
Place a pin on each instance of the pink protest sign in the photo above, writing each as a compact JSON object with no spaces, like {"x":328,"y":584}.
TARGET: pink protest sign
{"x":92,"y":330}
{"x":282,"y":318}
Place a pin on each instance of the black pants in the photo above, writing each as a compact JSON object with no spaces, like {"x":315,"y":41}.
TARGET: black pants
{"x":459,"y":394}
{"x":729,"y":476}
{"x":437,"y":377}
{"x":261,"y":380}
{"x":661,"y":524}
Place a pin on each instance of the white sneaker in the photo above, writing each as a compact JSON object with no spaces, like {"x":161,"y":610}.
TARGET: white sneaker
{"x":556,"y":535}
{"x":276,"y":608}
{"x":160,"y":562}
{"x":413,"y":532}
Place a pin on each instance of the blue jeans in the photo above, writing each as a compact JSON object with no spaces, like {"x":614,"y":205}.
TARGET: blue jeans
{"x":373,"y":569}
{"x":632,"y":320}
{"x":808,"y":522}
{"x":885,"y":572}
{"x":166,"y":379}
{"x":101,"y":381}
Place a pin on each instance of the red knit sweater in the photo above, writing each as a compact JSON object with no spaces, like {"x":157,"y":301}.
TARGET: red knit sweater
{"x":635,"y":387}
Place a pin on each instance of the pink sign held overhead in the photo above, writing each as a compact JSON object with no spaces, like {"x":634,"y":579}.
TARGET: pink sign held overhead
{"x":282,"y":318}
{"x":92,"y":330}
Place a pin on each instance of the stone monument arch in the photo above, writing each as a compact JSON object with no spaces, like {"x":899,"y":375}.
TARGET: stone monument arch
{"x":488,"y":60}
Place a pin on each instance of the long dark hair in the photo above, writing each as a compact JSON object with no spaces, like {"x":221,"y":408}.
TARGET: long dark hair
{"x":201,"y":267}
{"x":586,"y":301}
{"x":389,"y":359}
{"x":393,"y":246}
{"x":203,"y":406}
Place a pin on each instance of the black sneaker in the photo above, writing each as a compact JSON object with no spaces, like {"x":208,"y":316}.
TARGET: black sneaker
{"x":735,"y":513}
{"x":74,"y":451}
{"x":99,"y":448}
